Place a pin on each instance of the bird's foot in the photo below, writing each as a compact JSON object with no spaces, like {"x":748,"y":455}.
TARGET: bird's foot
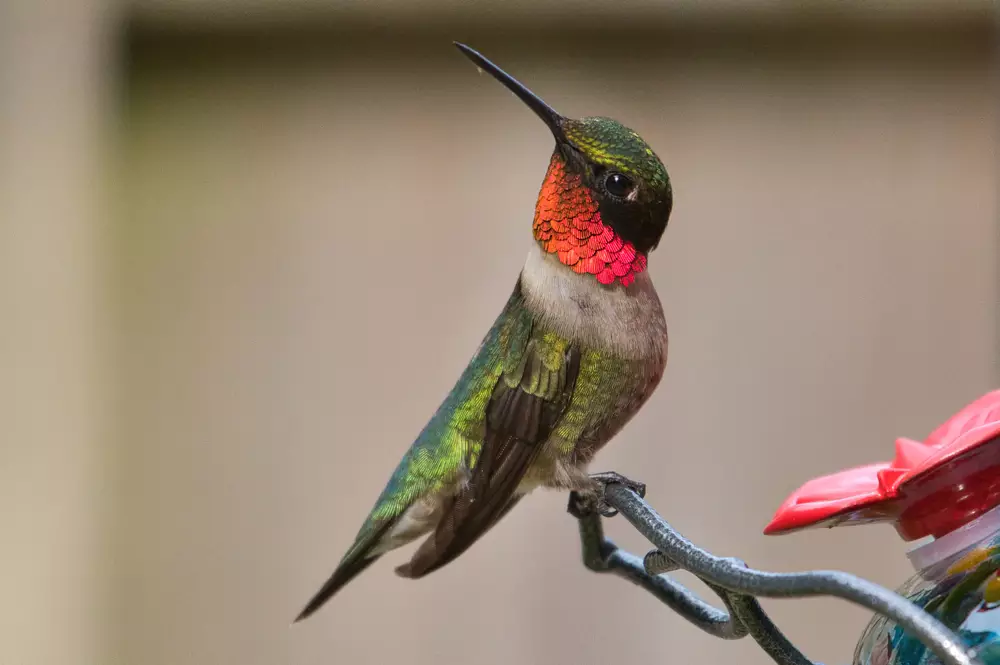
{"x":585,"y":503}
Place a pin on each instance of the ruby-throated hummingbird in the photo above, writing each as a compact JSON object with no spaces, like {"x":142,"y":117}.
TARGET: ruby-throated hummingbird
{"x":577,"y":350}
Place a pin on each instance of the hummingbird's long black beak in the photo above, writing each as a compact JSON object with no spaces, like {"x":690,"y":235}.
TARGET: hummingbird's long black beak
{"x":534,"y":102}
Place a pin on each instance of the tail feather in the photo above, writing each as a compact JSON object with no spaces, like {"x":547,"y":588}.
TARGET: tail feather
{"x":345,"y":572}
{"x":359,"y":557}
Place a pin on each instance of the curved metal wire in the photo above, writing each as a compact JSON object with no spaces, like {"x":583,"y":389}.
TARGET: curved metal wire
{"x":739,"y":586}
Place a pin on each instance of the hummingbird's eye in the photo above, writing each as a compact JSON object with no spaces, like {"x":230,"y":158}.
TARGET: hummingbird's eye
{"x":618,"y":185}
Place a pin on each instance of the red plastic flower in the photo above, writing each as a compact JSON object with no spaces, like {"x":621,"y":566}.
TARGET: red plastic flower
{"x":929,"y":488}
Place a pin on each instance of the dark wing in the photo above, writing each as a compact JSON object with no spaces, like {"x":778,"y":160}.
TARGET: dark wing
{"x":527,"y":402}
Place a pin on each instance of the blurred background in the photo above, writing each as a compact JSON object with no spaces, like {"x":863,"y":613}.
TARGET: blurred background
{"x":245,"y":249}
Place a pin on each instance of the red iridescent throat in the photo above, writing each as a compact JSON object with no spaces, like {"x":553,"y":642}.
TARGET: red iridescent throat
{"x":568,"y":224}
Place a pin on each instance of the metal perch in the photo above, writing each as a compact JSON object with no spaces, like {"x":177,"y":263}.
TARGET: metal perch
{"x":736,"y":584}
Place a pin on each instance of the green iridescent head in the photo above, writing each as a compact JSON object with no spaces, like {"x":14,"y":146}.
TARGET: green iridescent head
{"x":609,"y":143}
{"x":622,"y":173}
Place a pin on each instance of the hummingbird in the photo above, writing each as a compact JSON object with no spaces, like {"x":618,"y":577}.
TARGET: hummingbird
{"x":579,"y":347}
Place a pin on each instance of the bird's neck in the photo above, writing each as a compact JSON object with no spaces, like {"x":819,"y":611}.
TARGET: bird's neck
{"x":568,"y":224}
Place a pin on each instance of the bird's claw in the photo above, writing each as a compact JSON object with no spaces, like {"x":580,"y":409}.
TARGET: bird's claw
{"x":583,"y":504}
{"x":602,"y":480}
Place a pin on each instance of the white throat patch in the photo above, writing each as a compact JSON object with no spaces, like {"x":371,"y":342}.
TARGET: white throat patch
{"x":628,"y":321}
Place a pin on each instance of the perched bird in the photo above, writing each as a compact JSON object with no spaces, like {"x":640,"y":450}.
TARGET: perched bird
{"x":577,"y":350}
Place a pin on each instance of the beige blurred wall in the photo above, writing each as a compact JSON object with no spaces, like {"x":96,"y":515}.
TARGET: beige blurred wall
{"x":320,"y":209}
{"x":57,"y":72}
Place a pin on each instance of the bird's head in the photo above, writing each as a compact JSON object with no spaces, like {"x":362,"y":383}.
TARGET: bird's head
{"x":606,"y":197}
